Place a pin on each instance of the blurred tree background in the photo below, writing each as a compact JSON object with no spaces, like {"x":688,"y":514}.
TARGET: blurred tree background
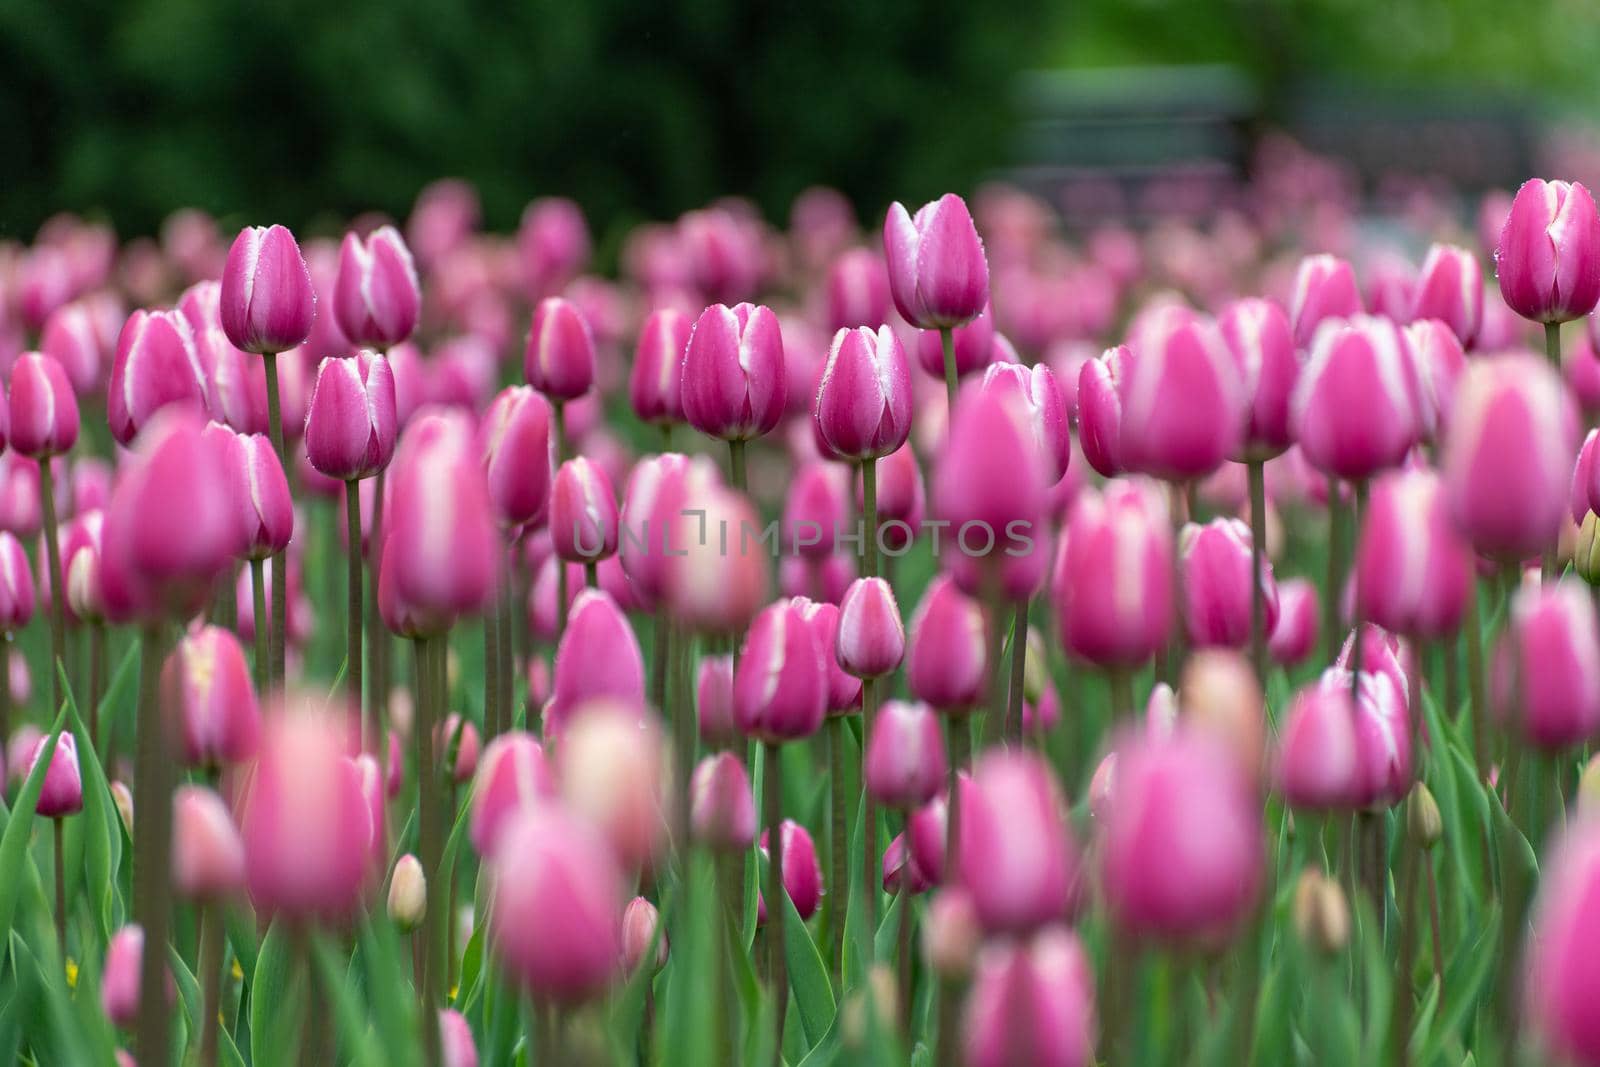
{"x":300,"y":110}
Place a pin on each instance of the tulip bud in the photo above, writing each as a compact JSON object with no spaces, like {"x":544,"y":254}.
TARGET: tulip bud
{"x":351,"y":424}
{"x":1586,"y":550}
{"x":44,"y":411}
{"x":780,"y":683}
{"x":1043,"y":409}
{"x":722,"y":807}
{"x":511,"y":775}
{"x":1424,"y":825}
{"x":857,"y":291}
{"x":1113,"y":580}
{"x":583,"y":512}
{"x":1321,"y":915}
{"x":455,"y":1040}
{"x":156,"y":366}
{"x":1324,"y":288}
{"x":207,"y":687}
{"x":1184,"y":403}
{"x":122,"y":797}
{"x":598,"y":657}
{"x":1100,"y":409}
{"x":267,"y":303}
{"x":1548,"y":258}
{"x":901,"y":499}
{"x":1507,"y":456}
{"x":1221,"y":699}
{"x":514,"y":439}
{"x":641,"y":929}
{"x":863,"y":408}
{"x":1413,"y":572}
{"x":1216,"y":584}
{"x":1295,"y":636}
{"x":207,"y":853}
{"x":376,"y":299}
{"x":951,"y":936}
{"x":611,"y":766}
{"x":714,"y":693}
{"x":871,"y":640}
{"x":1450,"y":288}
{"x":1356,"y":409}
{"x":904,"y":765}
{"x":802,"y":873}
{"x":733,"y":372}
{"x":844,"y":689}
{"x":937,"y":272}
{"x":1440,"y":362}
{"x":16,"y":584}
{"x":1258,"y":337}
{"x":120,"y":979}
{"x":62,"y":792}
{"x":717,"y":581}
{"x":1168,"y":794}
{"x":1017,"y":855}
{"x":656,"y":381}
{"x":1032,"y":1002}
{"x":555,"y":917}
{"x":947,"y":658}
{"x":1559,"y":983}
{"x":900,"y":870}
{"x":408,"y":893}
{"x":72,"y":338}
{"x":455,"y":745}
{"x":1547,"y":668}
{"x":559,"y":359}
{"x":815,"y":510}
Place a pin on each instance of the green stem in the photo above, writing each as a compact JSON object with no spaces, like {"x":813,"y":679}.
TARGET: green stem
{"x":1121,"y":683}
{"x":1019,"y":666}
{"x":591,"y":574}
{"x":430,"y":667}
{"x":947,"y":342}
{"x":559,"y":408}
{"x":213,"y":946}
{"x":58,"y":591}
{"x":61,"y":887}
{"x":869,"y":814}
{"x":777,"y":961}
{"x":869,"y":508}
{"x":354,"y":604}
{"x":1256,"y":471}
{"x":258,"y":594}
{"x":377,"y":636}
{"x":838,"y":843}
{"x":152,"y":812}
{"x":903,"y":955}
{"x":97,"y":681}
{"x":736,"y":471}
{"x":280,"y":563}
{"x":1552,"y":349}
{"x":1404,"y":1000}
{"x":1330,"y":595}
{"x":1473,"y":632}
{"x":491,"y":672}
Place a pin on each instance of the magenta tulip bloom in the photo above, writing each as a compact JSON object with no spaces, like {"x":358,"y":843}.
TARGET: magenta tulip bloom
{"x":514,"y":439}
{"x":1547,"y":668}
{"x":552,"y":244}
{"x":716,"y":570}
{"x":207,"y":691}
{"x":937,"y":272}
{"x":816,"y":510}
{"x":1331,"y":756}
{"x":714,"y":702}
{"x":802,"y":873}
{"x":902,"y":498}
{"x":780,"y":684}
{"x":904,"y":765}
{"x":16,"y":583}
{"x":1100,"y":409}
{"x":260,"y":495}
{"x":642,"y":931}
{"x":651,"y":507}
{"x":207,"y":852}
{"x":44,"y":411}
{"x":1183,"y":403}
{"x":1017,"y":857}
{"x":1324,"y":288}
{"x":267,"y":303}
{"x":947,"y":658}
{"x":1114,"y":582}
{"x":598,"y":657}
{"x":351,"y":423}
{"x":1413,"y":572}
{"x":1548,"y":258}
{"x":722,"y":807}
{"x":376,"y":299}
{"x":1043,"y":406}
{"x":1169,"y":794}
{"x":844,"y":689}
{"x":857,"y":291}
{"x":863,"y":406}
{"x":120,"y":979}
{"x":611,"y":766}
{"x":455,"y":1040}
{"x":1357,"y":408}
{"x":555,"y":913}
{"x":656,"y":381}
{"x":734,"y":386}
{"x":872,"y":639}
{"x":1507,"y":458}
{"x":62,"y":791}
{"x":156,"y":366}
{"x":583,"y":512}
{"x":1450,"y":289}
{"x":1216,"y":584}
{"x":1032,"y":1002}
{"x":1440,"y":361}
{"x":1561,"y":981}
{"x":559,"y":359}
{"x":511,"y":776}
{"x":72,"y":338}
{"x":1258,"y":336}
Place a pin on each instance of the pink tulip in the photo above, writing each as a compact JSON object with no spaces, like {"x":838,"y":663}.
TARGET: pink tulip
{"x":1258,"y":336}
{"x":1547,"y":667}
{"x":863,"y":408}
{"x":951,"y":936}
{"x":351,"y":425}
{"x":236,"y":382}
{"x":642,"y":930}
{"x":1450,"y":288}
{"x":1585,"y":491}
{"x":71,"y":337}
{"x":1100,"y":409}
{"x":1170,"y":794}
{"x":1113,"y":580}
{"x":1548,"y":258}
{"x":266,"y":303}
{"x":1295,"y":636}
{"x":947,"y":659}
{"x":598,"y":657}
{"x":1043,"y":406}
{"x":207,"y":853}
{"x":1324,"y":288}
{"x":802,"y":873}
{"x":120,"y":979}
{"x":552,"y":244}
{"x":900,"y":870}
{"x":62,"y":791}
{"x":1413,"y":572}
{"x":583,"y":512}
{"x":1331,"y":756}
{"x":376,"y":298}
{"x":1356,"y":409}
{"x":514,"y":439}
{"x":511,"y":776}
{"x":716,"y":572}
{"x":1216,"y":584}
{"x":733,"y":372}
{"x":462,"y":735}
{"x":559,"y":359}
{"x":1560,"y":981}
{"x":780,"y":683}
{"x":720,"y":253}
{"x":1031,"y":1003}
{"x":1184,"y":402}
{"x":904,"y":763}
{"x":1440,"y":362}
{"x":16,"y":584}
{"x":901,"y":500}
{"x":872,"y":639}
{"x":656,"y":381}
{"x":44,"y":411}
{"x":844,"y":689}
{"x":857,"y":291}
{"x":258,"y":492}
{"x":1507,"y":458}
{"x":714,"y":701}
{"x":455,"y":1040}
{"x":611,"y":765}
{"x":722,"y":808}
{"x":816,"y":510}
{"x":555,"y":913}
{"x":208,"y":693}
{"x":156,"y":366}
{"x":651,"y":507}
{"x":937,"y":272}
{"x":1017,"y":857}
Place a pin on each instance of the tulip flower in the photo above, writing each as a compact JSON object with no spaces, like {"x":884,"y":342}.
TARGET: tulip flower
{"x":1015,"y":856}
{"x":512,"y":775}
{"x":598,"y":657}
{"x":62,"y":791}
{"x":722,"y":808}
{"x":1258,"y":336}
{"x":552,"y":244}
{"x":1559,"y":983}
{"x":16,"y":587}
{"x":583,"y":513}
{"x":1113,"y":579}
{"x":1100,"y":409}
{"x":946,"y":659}
{"x":1216,"y":559}
{"x":209,"y":695}
{"x":802,"y":874}
{"x":351,"y":424}
{"x":1031,"y":1002}
{"x":904,"y":765}
{"x":44,"y":410}
{"x":376,"y":298}
{"x":1340,"y":752}
{"x":207,"y":852}
{"x":514,"y":439}
{"x":863,"y":408}
{"x":644,"y":936}
{"x":972,"y":345}
{"x":1295,"y":635}
{"x":714,"y":702}
{"x":857,"y":290}
{"x":408,"y":893}
{"x":611,"y":765}
{"x":156,"y":366}
{"x":716,"y":568}
{"x":1324,"y":288}
{"x":1413,"y":572}
{"x":1184,"y":401}
{"x":559,"y":360}
{"x":266,"y":304}
{"x":937,"y":273}
{"x":72,"y":338}
{"x":1450,"y":289}
{"x":872,"y":640}
{"x":236,"y":382}
{"x":780,"y":683}
{"x":1547,"y":668}
{"x":1548,"y":257}
{"x":1356,"y":409}
{"x":1440,"y":362}
{"x":733,"y":376}
{"x":120,"y":979}
{"x":655,"y":383}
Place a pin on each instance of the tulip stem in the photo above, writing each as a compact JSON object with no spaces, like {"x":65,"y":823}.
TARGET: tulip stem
{"x":58,"y":591}
{"x":591,"y":574}
{"x":561,"y":599}
{"x":377,"y":638}
{"x":1330,"y":595}
{"x":902,"y":938}
{"x":5,"y":688}
{"x":869,"y":510}
{"x":1480,"y":721}
{"x":1404,"y":1000}
{"x":1552,"y":351}
{"x":838,"y":846}
{"x":1357,"y":612}
{"x":97,"y":676}
{"x":430,"y":685}
{"x":280,"y":577}
{"x":777,"y":963}
{"x":660,"y":657}
{"x":1121,"y":683}
{"x":948,"y":1038}
{"x":1433,"y":927}
{"x":736,"y":471}
{"x":1019,"y":667}
{"x":355,"y":606}
{"x":258,"y":596}
{"x":947,"y":342}
{"x":508,"y":663}
{"x":152,"y":862}
{"x":559,"y":409}
{"x":61,"y":886}
{"x":960,"y":756}
{"x":869,"y":814}
{"x":213,"y":946}
{"x":491,"y":672}
{"x":1257,"y":473}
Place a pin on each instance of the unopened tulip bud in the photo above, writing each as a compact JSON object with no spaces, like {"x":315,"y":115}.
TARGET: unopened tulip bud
{"x":714,"y":690}
{"x":1184,"y":404}
{"x":559,"y":359}
{"x":1547,"y":669}
{"x":1262,"y":345}
{"x":1043,"y":408}
{"x":951,"y":935}
{"x":780,"y":684}
{"x":62,"y":792}
{"x":583,"y":512}
{"x":1324,"y":288}
{"x":1015,"y":887}
{"x":1424,"y":825}
{"x":611,"y":765}
{"x":802,"y":873}
{"x":863,"y":408}
{"x":655,"y":383}
{"x":641,"y":929}
{"x":1295,"y":636}
{"x":514,"y":439}
{"x":722,"y":807}
{"x":1321,"y":915}
{"x":156,"y":366}
{"x":455,"y":1040}
{"x":44,"y":410}
{"x":207,"y":687}
{"x":947,"y":657}
{"x":598,"y":657}
{"x":937,"y":272}
{"x":376,"y":299}
{"x":513,"y":774}
{"x":1413,"y":572}
{"x":1357,"y":406}
{"x":458,"y":736}
{"x":1440,"y":362}
{"x":872,"y":639}
{"x":1114,"y":575}
{"x":710,"y":586}
{"x":351,"y":424}
{"x":734,"y":386}
{"x":1220,"y":698}
{"x":1450,"y":288}
{"x":904,"y":765}
{"x":1548,"y":257}
{"x":1100,"y":409}
{"x":207,"y":853}
{"x":72,"y":337}
{"x":266,"y":303}
{"x":119,"y":980}
{"x":408,"y":893}
{"x":1032,"y":1002}
{"x":122,"y":797}
{"x":1216,"y":584}
{"x":16,"y":584}
{"x":857,"y":290}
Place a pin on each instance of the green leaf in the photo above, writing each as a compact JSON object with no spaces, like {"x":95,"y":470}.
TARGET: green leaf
{"x":19,"y":827}
{"x":101,"y":829}
{"x":686,"y":1019}
{"x":1464,"y":980}
{"x":120,"y":696}
{"x":808,"y":977}
{"x":277,"y":999}
{"x":356,"y":1038}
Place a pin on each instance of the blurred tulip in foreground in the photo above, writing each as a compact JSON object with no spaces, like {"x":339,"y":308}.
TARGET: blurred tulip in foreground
{"x":1031,"y":1004}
